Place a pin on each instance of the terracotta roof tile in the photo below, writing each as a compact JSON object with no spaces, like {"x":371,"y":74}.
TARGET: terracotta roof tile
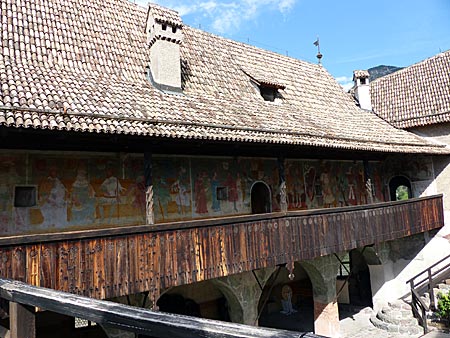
{"x":415,"y":96}
{"x":80,"y":65}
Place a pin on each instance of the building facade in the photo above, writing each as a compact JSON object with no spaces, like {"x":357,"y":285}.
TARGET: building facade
{"x":151,"y":163}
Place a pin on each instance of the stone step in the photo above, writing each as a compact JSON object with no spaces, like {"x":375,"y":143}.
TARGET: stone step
{"x":397,"y":317}
{"x":404,"y":330}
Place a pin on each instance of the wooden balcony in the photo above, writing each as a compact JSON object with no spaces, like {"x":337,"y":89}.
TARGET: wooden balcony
{"x":120,"y":261}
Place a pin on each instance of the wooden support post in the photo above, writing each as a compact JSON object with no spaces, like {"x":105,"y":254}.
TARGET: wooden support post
{"x":282,"y":185}
{"x":22,"y":322}
{"x":368,"y":182}
{"x":149,"y":212}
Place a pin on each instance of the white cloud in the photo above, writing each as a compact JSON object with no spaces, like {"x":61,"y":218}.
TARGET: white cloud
{"x":345,"y":81}
{"x":225,"y":16}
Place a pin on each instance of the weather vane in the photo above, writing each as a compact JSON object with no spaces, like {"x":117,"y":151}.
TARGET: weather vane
{"x":319,"y":55}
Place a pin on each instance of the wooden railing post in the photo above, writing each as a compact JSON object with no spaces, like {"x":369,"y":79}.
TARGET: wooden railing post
{"x":282,"y":185}
{"x":149,"y":210}
{"x":22,"y":321}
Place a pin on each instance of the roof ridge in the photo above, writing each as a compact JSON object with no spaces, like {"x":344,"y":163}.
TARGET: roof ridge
{"x":413,"y":66}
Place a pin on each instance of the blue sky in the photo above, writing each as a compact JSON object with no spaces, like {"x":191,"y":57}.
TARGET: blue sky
{"x":354,"y":34}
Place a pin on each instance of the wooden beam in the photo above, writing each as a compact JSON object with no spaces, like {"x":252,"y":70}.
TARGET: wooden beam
{"x":149,"y":213}
{"x":128,"y":318}
{"x":22,"y":321}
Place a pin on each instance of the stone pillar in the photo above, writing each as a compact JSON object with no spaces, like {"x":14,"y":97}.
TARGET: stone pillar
{"x":243,"y":294}
{"x":22,"y":321}
{"x":149,"y":213}
{"x":322,"y":272}
{"x":282,"y":185}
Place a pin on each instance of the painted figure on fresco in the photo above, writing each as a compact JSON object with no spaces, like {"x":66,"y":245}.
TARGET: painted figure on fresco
{"x":137,"y":195}
{"x":53,"y":201}
{"x":310,"y":182}
{"x":181,"y":197}
{"x":110,"y":198}
{"x":286,"y":301}
{"x":232,"y":190}
{"x":327,"y":191}
{"x":200,"y":195}
{"x":162,"y":197}
{"x":351,"y":186}
{"x":8,"y":178}
{"x":82,"y":199}
{"x":214,"y":184}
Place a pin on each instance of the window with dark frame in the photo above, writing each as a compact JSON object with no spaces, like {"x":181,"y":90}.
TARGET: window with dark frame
{"x":25,"y":196}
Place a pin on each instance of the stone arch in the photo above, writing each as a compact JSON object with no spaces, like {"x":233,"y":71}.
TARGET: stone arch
{"x":287,"y":303}
{"x":261,"y":198}
{"x":396,"y":182}
{"x":203,"y":299}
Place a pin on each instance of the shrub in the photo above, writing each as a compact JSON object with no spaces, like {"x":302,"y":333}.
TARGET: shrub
{"x":444,"y":306}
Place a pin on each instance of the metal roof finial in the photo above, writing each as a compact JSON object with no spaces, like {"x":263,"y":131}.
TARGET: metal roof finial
{"x":319,"y":55}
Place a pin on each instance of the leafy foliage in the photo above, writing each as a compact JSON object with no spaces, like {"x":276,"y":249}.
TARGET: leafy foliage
{"x":444,"y":306}
{"x":402,"y":193}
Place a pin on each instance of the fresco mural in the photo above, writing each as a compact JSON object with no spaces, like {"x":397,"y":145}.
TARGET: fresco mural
{"x":64,"y":191}
{"x":201,"y":187}
{"x":418,"y":169}
{"x":71,"y":192}
{"x":326,"y":184}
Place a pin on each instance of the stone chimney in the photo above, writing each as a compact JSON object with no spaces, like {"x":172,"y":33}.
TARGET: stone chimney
{"x":164,"y":36}
{"x":362,"y":88}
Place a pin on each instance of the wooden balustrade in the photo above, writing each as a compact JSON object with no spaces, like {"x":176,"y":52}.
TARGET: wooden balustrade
{"x":115,"y":262}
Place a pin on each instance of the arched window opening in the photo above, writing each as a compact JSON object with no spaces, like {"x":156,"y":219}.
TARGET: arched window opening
{"x":261,"y":198}
{"x":400,"y":188}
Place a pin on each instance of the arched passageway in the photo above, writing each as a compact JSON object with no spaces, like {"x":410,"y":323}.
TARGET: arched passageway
{"x":261,"y":198}
{"x":201,"y":299}
{"x":359,"y":286}
{"x":288,"y":304}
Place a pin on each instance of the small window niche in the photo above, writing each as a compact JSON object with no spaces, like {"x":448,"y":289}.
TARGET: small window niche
{"x":268,"y":93}
{"x":25,"y":196}
{"x":222,"y":193}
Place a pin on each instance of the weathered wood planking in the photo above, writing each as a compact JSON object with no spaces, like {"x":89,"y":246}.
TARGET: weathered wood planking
{"x":116,"y":265}
{"x":131,"y":319}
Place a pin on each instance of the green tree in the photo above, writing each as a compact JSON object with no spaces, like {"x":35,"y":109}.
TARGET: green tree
{"x":401,"y":193}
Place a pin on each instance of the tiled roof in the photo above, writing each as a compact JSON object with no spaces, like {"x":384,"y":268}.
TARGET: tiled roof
{"x":360,"y":74}
{"x":80,"y":65}
{"x":415,"y":96}
{"x":165,"y":15}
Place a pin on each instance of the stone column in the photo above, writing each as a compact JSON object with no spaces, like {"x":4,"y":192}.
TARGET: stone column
{"x":149,"y":216}
{"x":322,"y":272}
{"x":243,"y":294}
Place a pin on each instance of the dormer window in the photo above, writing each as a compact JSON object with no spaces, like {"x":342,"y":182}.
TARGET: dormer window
{"x":268,"y":86}
{"x":268,"y":93}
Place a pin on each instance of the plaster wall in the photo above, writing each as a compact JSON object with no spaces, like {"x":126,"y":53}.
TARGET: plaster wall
{"x":403,"y":260}
{"x":81,"y":190}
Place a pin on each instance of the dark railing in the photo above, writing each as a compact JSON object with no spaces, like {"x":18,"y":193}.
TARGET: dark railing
{"x":130,"y":319}
{"x":116,"y":262}
{"x":425,"y":281}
